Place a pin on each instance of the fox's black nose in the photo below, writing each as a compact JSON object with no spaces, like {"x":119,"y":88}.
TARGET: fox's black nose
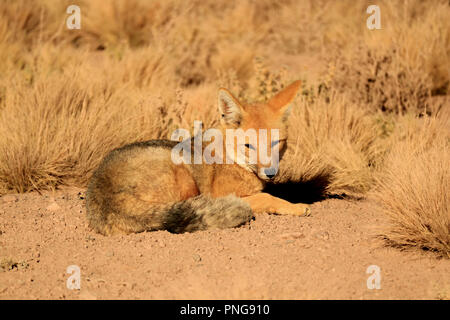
{"x":270,"y":172}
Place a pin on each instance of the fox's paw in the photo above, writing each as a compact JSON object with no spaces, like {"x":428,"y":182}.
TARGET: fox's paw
{"x":302,"y":209}
{"x":307,"y":211}
{"x":299,"y":209}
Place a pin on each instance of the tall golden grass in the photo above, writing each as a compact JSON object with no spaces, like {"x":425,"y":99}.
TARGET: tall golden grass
{"x":139,"y":69}
{"x":332,"y":138}
{"x":414,"y":185}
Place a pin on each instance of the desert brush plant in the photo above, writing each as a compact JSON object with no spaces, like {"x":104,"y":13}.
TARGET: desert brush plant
{"x":399,"y":68}
{"x":414,"y":185}
{"x":332,"y":140}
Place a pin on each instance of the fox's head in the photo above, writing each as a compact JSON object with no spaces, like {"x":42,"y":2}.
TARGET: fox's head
{"x":256,"y":133}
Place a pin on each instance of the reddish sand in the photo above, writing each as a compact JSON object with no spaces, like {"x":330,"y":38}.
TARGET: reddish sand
{"x":324,"y":256}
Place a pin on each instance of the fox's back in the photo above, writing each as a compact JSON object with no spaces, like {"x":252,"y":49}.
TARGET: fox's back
{"x":132,"y":177}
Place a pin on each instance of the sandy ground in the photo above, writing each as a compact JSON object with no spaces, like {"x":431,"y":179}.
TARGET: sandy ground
{"x":324,"y":256}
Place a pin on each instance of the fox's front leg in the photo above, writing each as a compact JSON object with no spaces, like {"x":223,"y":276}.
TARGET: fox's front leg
{"x":264,"y":202}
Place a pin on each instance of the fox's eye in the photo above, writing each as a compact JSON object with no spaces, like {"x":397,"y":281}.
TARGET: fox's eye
{"x":249,"y":146}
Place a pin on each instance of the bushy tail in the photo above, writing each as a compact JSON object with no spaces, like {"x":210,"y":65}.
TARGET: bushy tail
{"x":203,"y":212}
{"x":198,"y":213}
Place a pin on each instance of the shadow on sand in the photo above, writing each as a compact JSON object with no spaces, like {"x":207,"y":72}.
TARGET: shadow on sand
{"x":302,"y":192}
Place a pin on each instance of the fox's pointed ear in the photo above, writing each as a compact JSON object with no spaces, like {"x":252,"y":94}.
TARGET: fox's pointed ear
{"x":282,"y":100}
{"x":230,"y":109}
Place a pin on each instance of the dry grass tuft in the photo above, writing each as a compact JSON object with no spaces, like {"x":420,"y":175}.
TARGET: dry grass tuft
{"x":56,"y":130}
{"x":414,"y":186}
{"x":398,"y":68}
{"x":332,"y":138}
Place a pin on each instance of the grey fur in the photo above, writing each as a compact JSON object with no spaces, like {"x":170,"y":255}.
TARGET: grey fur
{"x":107,"y":216}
